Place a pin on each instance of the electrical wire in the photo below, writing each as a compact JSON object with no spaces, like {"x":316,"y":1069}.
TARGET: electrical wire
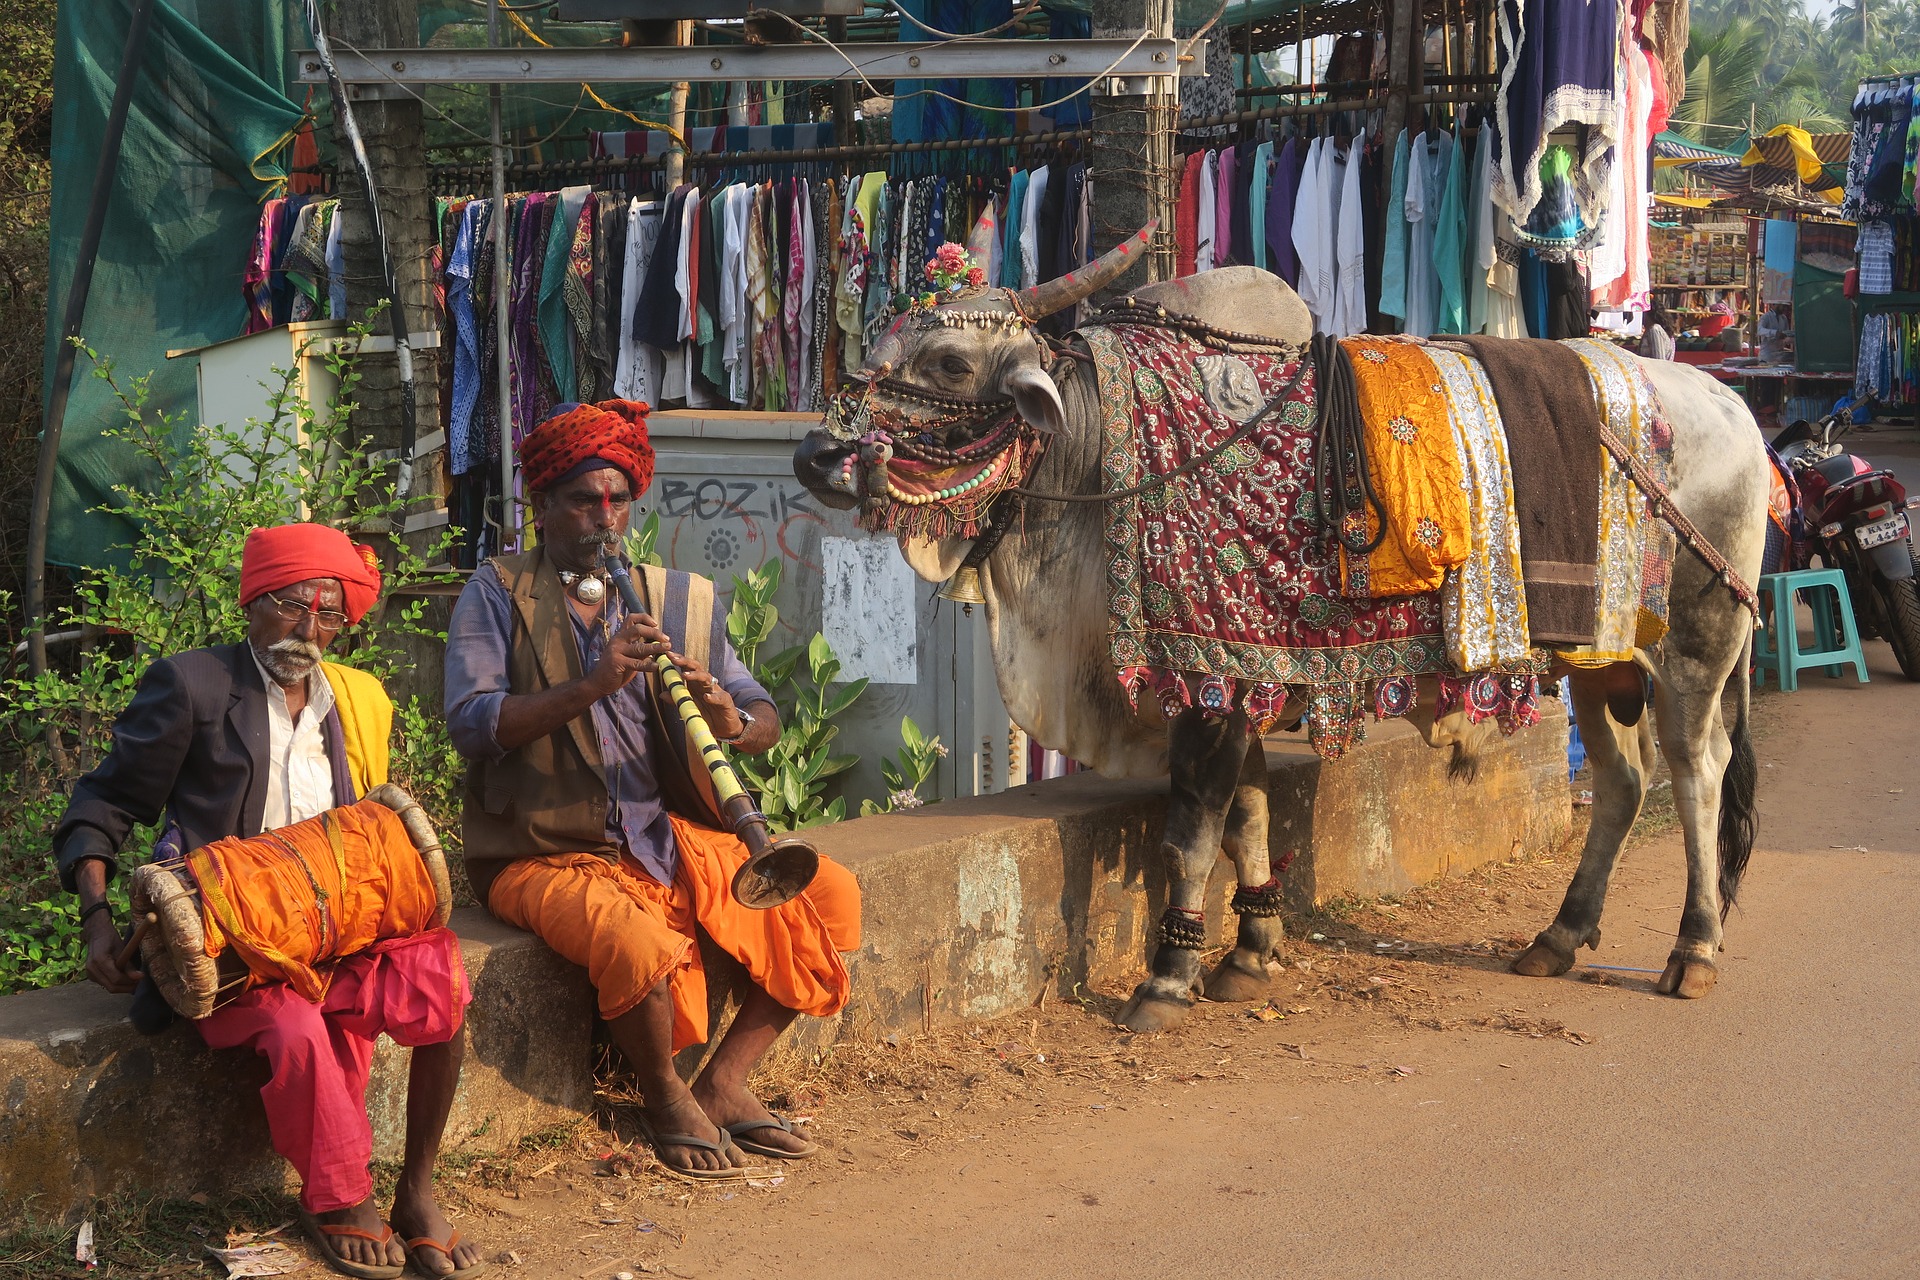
{"x":1018,"y":17}
{"x":402,"y":347}
{"x":874,"y":89}
{"x":604,"y":105}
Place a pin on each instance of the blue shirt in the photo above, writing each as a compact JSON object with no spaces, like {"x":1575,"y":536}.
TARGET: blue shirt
{"x":477,"y":642}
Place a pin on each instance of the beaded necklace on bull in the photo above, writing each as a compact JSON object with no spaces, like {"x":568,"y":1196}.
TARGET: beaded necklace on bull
{"x":911,"y":483}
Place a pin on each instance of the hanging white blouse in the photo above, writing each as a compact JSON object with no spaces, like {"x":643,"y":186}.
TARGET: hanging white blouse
{"x":1208,"y":212}
{"x":1309,"y":236}
{"x":1030,"y":229}
{"x":1348,"y":315}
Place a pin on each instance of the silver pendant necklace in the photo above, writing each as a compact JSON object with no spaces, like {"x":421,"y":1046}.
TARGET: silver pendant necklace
{"x":587,"y":588}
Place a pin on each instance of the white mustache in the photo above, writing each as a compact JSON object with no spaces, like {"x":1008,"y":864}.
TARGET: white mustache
{"x":604,"y":538}
{"x":292,"y":658}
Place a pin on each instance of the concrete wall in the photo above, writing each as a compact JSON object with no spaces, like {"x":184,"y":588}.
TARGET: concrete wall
{"x":91,"y":1107}
{"x":972,"y":908}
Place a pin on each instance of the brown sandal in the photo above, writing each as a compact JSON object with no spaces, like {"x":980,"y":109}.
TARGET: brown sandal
{"x":322,"y":1234}
{"x":446,"y":1249}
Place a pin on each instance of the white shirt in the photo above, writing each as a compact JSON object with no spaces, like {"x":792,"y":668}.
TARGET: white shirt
{"x":1207,"y":217}
{"x":1348,"y":314}
{"x":1310,"y":236}
{"x":299,"y":775}
{"x":1030,"y":228}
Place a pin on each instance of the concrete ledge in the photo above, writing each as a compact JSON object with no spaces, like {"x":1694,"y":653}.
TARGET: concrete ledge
{"x":91,"y":1107}
{"x":972,"y":908}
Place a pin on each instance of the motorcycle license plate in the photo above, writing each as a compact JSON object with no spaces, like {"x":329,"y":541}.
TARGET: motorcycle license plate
{"x":1882,"y":531}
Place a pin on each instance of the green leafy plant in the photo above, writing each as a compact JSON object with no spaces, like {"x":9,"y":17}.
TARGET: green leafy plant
{"x":793,"y":777}
{"x":907,"y":772}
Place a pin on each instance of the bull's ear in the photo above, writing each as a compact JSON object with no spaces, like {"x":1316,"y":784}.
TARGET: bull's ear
{"x":1037,"y":398}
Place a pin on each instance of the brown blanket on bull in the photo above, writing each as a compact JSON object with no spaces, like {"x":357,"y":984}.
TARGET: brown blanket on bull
{"x":1553,"y":443}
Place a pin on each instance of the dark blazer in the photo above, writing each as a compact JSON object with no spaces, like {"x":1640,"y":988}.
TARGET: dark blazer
{"x":193,"y":745}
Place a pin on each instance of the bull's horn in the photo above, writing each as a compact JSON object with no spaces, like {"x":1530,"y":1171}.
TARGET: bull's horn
{"x":980,"y":243}
{"x":1077,"y":286}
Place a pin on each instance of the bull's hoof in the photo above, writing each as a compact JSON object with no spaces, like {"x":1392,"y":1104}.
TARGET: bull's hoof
{"x":1541,"y":961}
{"x":1152,"y":1011}
{"x":1688,"y":977}
{"x":1231,"y":982}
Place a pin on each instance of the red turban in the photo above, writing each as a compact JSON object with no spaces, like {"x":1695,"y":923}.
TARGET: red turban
{"x":290,"y":553}
{"x":612,"y":433}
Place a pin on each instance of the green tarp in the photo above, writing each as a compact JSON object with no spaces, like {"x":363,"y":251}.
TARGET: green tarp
{"x":202,"y":151}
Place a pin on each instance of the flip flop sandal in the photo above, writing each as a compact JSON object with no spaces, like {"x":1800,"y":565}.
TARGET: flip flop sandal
{"x":322,"y":1234}
{"x":724,"y":1147}
{"x":452,"y":1242}
{"x":738,"y":1130}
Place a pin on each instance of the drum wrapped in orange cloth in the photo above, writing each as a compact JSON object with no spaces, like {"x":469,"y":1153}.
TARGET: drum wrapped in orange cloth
{"x":283,"y":905}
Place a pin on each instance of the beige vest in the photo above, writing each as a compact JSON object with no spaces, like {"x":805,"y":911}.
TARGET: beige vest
{"x":550,"y":795}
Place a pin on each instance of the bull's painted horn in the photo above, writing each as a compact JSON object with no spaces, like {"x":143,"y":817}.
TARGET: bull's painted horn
{"x":1077,"y":286}
{"x":980,"y":243}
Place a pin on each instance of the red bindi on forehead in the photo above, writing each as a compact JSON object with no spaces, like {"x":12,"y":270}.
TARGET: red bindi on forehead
{"x":326,"y":591}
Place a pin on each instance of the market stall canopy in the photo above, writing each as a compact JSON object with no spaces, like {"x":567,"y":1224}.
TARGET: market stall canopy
{"x":1787,"y":169}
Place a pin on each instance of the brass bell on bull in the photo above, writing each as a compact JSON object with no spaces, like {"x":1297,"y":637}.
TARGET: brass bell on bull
{"x":963,"y":587}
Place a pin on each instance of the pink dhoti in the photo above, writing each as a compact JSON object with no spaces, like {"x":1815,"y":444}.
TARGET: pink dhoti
{"x":413,"y":989}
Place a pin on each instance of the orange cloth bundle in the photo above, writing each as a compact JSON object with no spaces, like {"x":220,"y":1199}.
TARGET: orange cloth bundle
{"x":291,"y":900}
{"x":1414,"y":462}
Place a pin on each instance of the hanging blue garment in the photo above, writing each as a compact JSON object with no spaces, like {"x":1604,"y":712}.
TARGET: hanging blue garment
{"x":1077,"y":111}
{"x":1533,"y":294}
{"x":1013,"y":222}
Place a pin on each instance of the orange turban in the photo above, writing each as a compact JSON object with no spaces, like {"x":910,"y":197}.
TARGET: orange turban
{"x":290,"y":553}
{"x":580,"y":437}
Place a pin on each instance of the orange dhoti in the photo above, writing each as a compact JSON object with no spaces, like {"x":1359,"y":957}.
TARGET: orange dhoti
{"x":630,"y":931}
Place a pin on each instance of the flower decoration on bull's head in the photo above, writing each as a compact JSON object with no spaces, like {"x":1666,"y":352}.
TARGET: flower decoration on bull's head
{"x":951,"y":270}
{"x":957,"y":365}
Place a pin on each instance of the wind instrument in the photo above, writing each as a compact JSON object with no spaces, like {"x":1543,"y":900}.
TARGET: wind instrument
{"x":777,"y":869}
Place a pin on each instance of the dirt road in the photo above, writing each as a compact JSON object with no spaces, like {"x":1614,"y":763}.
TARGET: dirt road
{"x":1410,"y":1109}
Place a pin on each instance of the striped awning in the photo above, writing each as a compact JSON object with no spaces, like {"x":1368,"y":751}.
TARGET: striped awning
{"x":1671,"y":149}
{"x":1818,"y":161}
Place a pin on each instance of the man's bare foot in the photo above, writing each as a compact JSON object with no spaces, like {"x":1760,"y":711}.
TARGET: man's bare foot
{"x":683,"y":1115}
{"x":728,"y":1102}
{"x":417,"y":1216}
{"x":367,"y":1253}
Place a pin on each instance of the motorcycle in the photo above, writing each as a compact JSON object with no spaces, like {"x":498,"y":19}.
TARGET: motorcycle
{"x":1857,"y":516}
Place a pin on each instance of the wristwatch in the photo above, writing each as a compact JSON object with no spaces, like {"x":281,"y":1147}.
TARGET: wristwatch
{"x":746,"y":723}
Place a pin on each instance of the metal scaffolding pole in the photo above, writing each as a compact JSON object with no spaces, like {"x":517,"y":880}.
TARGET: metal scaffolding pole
{"x":502,"y":285}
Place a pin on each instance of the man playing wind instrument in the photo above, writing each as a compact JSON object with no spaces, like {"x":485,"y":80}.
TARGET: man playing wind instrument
{"x":584,"y":819}
{"x":241,"y":739}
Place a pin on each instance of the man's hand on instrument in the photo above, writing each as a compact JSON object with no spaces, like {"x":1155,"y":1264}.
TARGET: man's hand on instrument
{"x":103,"y":955}
{"x":631,"y":651}
{"x":715,"y":703}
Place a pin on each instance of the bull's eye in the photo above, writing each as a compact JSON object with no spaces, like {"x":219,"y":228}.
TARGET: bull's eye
{"x":955,"y":366}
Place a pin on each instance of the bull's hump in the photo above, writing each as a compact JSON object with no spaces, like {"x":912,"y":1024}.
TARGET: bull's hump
{"x":1243,"y":299}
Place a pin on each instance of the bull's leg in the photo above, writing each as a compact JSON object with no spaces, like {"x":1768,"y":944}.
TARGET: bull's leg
{"x":1243,"y":974}
{"x":1697,"y":749}
{"x":1622,"y":759}
{"x":1206,"y":756}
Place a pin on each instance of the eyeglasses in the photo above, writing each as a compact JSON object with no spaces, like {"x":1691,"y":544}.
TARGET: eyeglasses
{"x":294,"y":610}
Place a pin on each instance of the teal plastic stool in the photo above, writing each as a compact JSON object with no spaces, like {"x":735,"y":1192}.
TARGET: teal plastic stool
{"x":1776,"y":645}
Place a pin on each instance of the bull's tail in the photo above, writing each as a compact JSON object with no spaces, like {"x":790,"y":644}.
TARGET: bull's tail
{"x":1737,"y":786}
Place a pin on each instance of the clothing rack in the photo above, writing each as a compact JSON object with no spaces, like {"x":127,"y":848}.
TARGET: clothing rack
{"x":610,"y":165}
{"x":1332,"y":107}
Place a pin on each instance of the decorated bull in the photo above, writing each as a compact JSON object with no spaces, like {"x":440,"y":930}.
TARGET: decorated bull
{"x":1061,"y":482}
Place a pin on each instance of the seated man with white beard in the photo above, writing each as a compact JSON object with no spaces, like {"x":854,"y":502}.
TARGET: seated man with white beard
{"x":241,"y":739}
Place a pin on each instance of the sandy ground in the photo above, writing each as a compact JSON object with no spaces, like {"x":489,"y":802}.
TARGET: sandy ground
{"x":1402,"y":1105}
